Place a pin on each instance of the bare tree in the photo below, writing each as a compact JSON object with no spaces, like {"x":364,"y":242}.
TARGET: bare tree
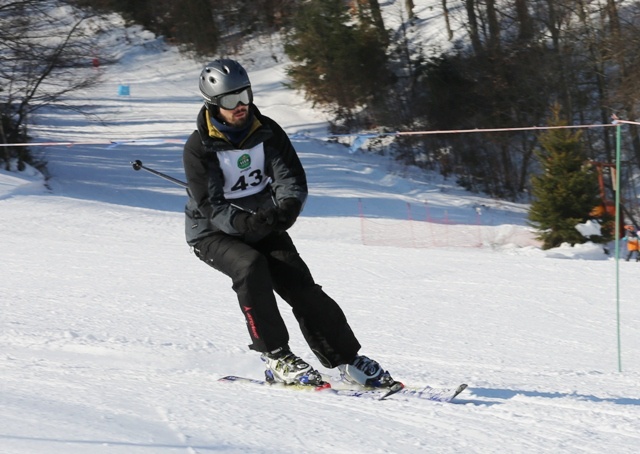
{"x":445,"y":12}
{"x":46,"y":50}
{"x":472,"y":24}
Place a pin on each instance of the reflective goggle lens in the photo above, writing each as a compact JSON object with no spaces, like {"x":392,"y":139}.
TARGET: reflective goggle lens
{"x":230,"y":101}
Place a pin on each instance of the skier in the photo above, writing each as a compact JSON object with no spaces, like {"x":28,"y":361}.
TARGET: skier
{"x":246,"y":188}
{"x":631,"y":237}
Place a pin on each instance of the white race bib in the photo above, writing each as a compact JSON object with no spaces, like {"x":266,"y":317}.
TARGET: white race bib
{"x":243,"y":171}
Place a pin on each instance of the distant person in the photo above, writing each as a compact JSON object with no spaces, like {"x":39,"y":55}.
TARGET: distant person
{"x":246,"y":189}
{"x":631,"y":238}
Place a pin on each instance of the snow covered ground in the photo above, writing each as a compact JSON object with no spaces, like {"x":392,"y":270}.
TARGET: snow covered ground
{"x":114,"y":334}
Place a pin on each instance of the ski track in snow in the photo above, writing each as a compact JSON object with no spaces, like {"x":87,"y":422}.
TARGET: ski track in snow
{"x":114,"y":334}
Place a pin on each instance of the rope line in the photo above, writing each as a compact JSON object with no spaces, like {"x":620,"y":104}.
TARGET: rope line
{"x":113,"y":143}
{"x":360,"y":137}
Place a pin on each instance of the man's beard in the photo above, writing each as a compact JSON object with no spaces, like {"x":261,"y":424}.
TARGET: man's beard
{"x":239,"y":122}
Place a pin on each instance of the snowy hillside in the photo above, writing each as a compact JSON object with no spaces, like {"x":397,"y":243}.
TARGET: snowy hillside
{"x":114,"y":334}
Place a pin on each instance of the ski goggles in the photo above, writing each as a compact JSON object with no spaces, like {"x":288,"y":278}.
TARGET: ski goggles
{"x":230,"y":101}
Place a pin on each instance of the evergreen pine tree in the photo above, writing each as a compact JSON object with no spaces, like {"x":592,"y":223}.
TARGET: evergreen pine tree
{"x":567,"y":191}
{"x":339,"y":62}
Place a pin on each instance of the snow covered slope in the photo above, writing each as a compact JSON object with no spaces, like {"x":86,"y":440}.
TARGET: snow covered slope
{"x":114,"y":334}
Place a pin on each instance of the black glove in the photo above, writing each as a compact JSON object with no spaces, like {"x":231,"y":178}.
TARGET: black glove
{"x":287,"y":213}
{"x":262,"y":221}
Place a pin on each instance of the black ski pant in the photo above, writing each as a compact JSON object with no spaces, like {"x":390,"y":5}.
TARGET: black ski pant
{"x":273,"y":264}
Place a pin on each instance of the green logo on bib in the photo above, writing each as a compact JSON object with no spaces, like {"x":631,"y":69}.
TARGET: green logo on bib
{"x":244,"y":161}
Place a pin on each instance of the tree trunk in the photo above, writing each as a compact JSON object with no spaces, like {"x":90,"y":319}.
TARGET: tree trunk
{"x":445,"y":12}
{"x":376,"y":15}
{"x":525,"y":34}
{"x":408,"y":5}
{"x":472,"y":19}
{"x":494,"y":26}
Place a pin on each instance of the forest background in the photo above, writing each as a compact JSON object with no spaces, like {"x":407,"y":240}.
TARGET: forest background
{"x":491,"y":64}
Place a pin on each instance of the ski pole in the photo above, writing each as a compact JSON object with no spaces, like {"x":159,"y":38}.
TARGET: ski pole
{"x":137,"y":165}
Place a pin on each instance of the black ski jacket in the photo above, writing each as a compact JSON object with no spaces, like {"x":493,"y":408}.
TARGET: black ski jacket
{"x":208,"y":210}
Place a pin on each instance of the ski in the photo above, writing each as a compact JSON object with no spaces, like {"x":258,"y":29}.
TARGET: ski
{"x":376,"y":394}
{"x":413,"y":392}
{"x":435,"y":394}
{"x":343,"y":389}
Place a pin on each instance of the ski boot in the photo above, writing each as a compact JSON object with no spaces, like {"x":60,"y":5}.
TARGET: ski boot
{"x":367,"y":373}
{"x":285,"y":367}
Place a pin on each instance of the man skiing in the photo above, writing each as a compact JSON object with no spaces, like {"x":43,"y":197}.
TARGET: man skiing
{"x":246,"y":188}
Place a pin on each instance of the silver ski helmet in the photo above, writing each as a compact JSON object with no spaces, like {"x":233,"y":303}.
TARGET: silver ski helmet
{"x":222,"y":77}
